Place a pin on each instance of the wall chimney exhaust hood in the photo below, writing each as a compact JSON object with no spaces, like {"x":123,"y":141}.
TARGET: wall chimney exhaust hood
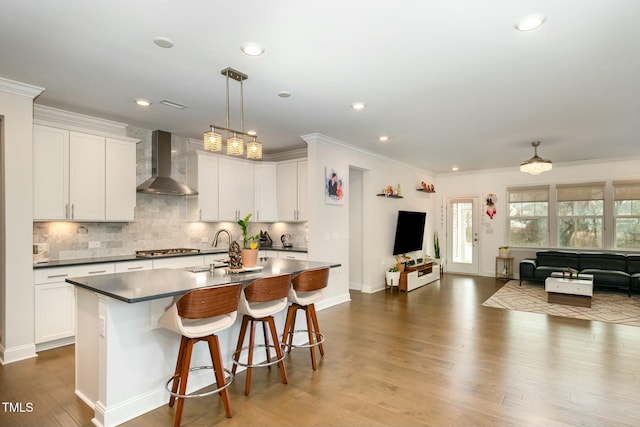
{"x":161,"y":181}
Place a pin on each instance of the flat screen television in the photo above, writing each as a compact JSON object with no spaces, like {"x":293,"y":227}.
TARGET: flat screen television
{"x":409,"y":232}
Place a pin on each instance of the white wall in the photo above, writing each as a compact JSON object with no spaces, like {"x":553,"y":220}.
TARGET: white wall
{"x":493,"y":232}
{"x":329,"y":224}
{"x":16,"y":277}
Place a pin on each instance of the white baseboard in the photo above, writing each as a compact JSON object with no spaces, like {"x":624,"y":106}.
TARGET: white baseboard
{"x":14,"y":354}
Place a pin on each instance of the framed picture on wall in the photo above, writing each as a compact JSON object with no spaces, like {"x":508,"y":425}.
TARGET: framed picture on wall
{"x":334,"y":186}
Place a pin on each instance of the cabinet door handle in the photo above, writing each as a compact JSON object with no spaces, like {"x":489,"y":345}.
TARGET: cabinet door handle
{"x":97,"y":271}
{"x":135,"y":268}
{"x":200,"y":214}
{"x":73,"y":210}
{"x":57,"y":275}
{"x":66,"y":211}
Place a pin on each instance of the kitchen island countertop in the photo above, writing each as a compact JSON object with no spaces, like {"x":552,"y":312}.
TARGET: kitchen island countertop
{"x":145,"y":285}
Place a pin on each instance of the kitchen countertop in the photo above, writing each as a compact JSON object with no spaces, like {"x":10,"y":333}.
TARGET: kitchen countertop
{"x":145,"y":285}
{"x":133,"y":257}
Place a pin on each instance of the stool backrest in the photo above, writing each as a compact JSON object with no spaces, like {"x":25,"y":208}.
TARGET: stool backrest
{"x":209,"y":302}
{"x":268,"y":288}
{"x":311,"y":280}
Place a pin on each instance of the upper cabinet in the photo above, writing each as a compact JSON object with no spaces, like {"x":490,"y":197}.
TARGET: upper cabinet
{"x":82,"y":177}
{"x":202,"y":176}
{"x":291,"y":191}
{"x":265,"y":191}
{"x":236,"y":193}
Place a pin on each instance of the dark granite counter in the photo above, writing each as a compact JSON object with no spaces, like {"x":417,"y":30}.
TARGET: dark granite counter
{"x":133,"y":257}
{"x":145,"y":285}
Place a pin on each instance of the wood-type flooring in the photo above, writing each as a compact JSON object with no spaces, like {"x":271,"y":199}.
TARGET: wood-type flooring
{"x":432,"y":357}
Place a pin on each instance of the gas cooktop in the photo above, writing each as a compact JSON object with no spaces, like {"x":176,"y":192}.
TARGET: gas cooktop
{"x":166,"y":252}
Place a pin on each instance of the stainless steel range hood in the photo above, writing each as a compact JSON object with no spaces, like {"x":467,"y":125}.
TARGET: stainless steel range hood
{"x":161,"y":181}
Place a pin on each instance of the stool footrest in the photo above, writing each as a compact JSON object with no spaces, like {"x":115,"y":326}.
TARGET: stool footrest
{"x":261,"y":364}
{"x":228,"y":380}
{"x":307,"y":344}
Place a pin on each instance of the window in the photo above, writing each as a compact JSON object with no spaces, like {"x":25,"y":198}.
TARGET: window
{"x":528,"y":216}
{"x":626,"y":214}
{"x":580,"y":215}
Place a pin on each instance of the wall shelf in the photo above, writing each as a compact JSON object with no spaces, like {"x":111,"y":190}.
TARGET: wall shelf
{"x":425,"y":191}
{"x":389,"y":197}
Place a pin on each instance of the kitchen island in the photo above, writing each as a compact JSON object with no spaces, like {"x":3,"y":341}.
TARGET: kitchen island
{"x":123,"y":358}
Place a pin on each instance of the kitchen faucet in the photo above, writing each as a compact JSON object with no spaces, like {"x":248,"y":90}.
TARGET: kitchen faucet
{"x":215,"y":239}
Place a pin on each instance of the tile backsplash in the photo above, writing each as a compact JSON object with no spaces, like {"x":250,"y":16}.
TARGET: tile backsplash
{"x":160,"y":220}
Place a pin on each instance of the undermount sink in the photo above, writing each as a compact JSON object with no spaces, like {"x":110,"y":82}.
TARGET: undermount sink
{"x":201,"y":268}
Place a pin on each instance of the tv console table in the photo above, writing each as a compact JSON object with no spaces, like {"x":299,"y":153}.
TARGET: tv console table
{"x":419,"y":275}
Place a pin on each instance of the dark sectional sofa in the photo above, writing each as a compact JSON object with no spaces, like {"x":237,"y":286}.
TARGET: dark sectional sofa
{"x":611,"y":270}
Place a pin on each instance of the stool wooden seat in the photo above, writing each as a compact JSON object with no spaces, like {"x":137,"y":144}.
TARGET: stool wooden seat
{"x":198,"y":316}
{"x":259,"y":301}
{"x":306,"y":289}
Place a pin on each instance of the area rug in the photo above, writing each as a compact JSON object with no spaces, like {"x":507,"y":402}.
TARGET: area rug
{"x":611,"y":307}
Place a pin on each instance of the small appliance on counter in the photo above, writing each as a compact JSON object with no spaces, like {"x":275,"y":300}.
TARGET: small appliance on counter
{"x":265,"y":239}
{"x":287,"y":240}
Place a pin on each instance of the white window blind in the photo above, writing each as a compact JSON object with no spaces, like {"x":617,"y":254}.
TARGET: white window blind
{"x":626,"y":190}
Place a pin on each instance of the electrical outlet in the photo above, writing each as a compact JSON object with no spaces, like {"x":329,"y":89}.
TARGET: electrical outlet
{"x":94,"y":245}
{"x":102,"y":326}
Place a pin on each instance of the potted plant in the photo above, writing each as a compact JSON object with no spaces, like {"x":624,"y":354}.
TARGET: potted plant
{"x":392,"y":276}
{"x":436,"y":245}
{"x":249,"y":244}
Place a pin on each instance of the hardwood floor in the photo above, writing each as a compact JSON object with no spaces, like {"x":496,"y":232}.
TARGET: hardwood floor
{"x":432,"y":357}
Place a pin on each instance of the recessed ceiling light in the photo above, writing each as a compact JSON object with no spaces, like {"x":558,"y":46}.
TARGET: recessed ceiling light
{"x":163,"y":42}
{"x":252,"y":49}
{"x":143,"y":102}
{"x":383,"y":138}
{"x":358,"y":105}
{"x":455,"y":168}
{"x":530,"y":22}
{"x":284,"y":94}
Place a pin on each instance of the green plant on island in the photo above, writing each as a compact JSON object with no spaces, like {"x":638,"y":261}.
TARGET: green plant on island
{"x":249,"y":242}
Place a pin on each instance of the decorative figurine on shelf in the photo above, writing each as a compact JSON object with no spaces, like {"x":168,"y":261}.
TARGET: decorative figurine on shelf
{"x":235,"y":257}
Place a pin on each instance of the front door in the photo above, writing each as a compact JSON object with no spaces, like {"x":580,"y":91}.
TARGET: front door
{"x":462,"y":235}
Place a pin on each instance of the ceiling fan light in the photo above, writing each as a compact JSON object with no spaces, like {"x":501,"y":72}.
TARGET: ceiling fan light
{"x":254,"y":150}
{"x":235,"y":146}
{"x":536,"y":165}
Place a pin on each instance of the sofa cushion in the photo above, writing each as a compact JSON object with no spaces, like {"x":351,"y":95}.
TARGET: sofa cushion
{"x":560,"y":259}
{"x":542,"y":272}
{"x":608,"y":277}
{"x":602,"y":261}
{"x":633,"y":264}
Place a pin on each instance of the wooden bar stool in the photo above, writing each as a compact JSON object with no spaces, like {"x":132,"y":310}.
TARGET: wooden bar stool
{"x":305,"y":291}
{"x":198,"y":316}
{"x":259,"y":301}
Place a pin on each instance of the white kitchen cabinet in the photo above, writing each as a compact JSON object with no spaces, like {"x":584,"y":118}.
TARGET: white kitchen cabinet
{"x":202,"y":176}
{"x":265,"y":192}
{"x":266,"y":253}
{"x":293,"y":255}
{"x":50,"y":173}
{"x":126,"y":266}
{"x":292,"y":191}
{"x":82,"y":177}
{"x":179,"y":262}
{"x":120,"y":180}
{"x":86,"y":177}
{"x":55,"y":304}
{"x":235,"y":189}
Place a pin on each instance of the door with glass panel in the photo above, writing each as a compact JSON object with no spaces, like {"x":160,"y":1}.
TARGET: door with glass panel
{"x":462,"y":235}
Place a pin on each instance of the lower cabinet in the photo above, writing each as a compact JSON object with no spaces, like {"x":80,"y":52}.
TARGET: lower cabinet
{"x":55,"y":311}
{"x":417,"y":276}
{"x":55,"y":303}
{"x":293,"y":255}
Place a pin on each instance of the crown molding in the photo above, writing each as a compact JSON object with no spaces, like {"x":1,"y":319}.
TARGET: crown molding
{"x":17,"y":88}
{"x":49,"y":116}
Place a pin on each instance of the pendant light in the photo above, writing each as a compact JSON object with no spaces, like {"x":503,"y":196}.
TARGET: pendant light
{"x":235,"y":143}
